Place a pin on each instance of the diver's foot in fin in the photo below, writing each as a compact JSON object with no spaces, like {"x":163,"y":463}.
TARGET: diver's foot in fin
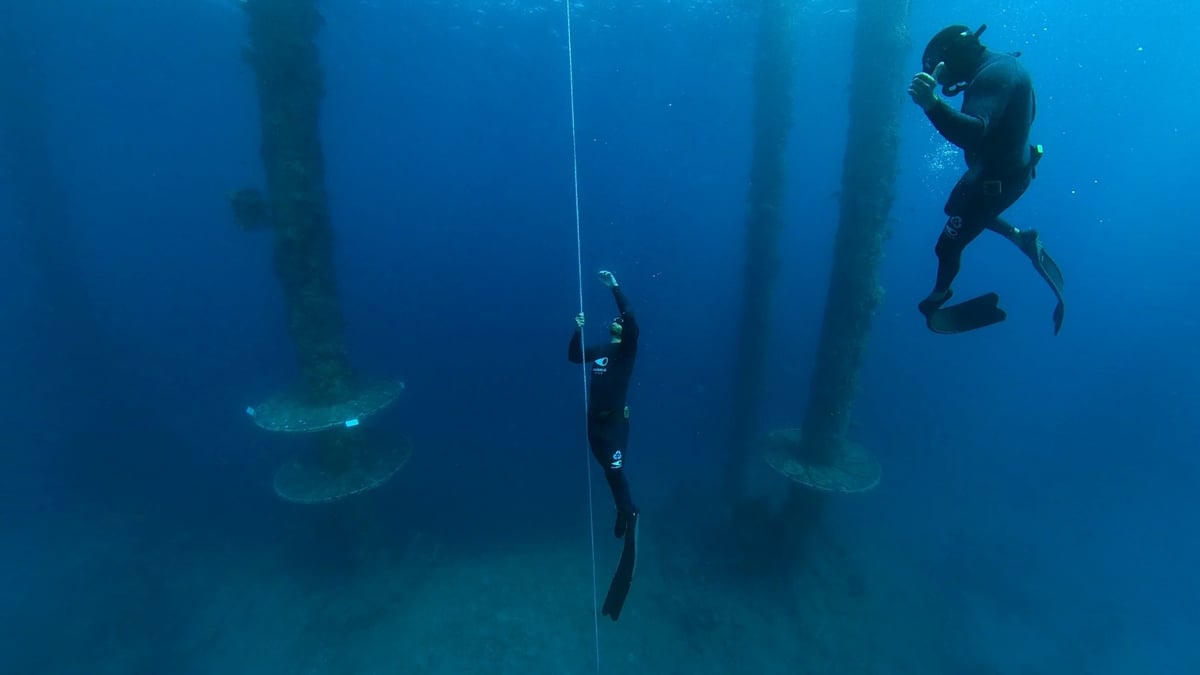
{"x":934,"y":301}
{"x":1028,"y":242}
{"x":618,"y":590}
{"x":969,"y":315}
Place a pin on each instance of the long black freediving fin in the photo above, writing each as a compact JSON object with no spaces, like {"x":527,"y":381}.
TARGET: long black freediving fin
{"x":618,"y":589}
{"x":1030,"y":244}
{"x":969,"y":315}
{"x":1046,"y":267}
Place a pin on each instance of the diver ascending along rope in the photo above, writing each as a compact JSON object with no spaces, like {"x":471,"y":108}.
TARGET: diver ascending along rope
{"x":626,"y":332}
{"x":608,"y":427}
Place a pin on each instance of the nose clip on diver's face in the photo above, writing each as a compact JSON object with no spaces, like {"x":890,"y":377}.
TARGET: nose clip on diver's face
{"x":944,"y":79}
{"x":615,"y":328}
{"x":950,"y":83}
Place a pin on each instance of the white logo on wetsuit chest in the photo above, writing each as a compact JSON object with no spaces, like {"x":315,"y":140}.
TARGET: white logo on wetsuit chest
{"x":601,"y":365}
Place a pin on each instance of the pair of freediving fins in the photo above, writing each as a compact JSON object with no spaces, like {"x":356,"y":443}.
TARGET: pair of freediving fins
{"x":618,"y":589}
{"x":984,"y":310}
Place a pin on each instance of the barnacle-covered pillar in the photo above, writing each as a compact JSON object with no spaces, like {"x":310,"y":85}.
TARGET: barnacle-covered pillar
{"x":40,"y":202}
{"x":772,"y":119}
{"x":819,"y":454}
{"x":330,"y":401}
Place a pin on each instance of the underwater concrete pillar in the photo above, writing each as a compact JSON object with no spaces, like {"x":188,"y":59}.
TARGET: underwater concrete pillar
{"x":331,"y":401}
{"x":44,"y":230}
{"x":819,"y":454}
{"x":772,"y":121}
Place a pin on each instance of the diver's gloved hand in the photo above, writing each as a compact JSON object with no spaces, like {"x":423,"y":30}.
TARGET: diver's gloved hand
{"x":608,"y":279}
{"x":923,"y":89}
{"x":579,"y":320}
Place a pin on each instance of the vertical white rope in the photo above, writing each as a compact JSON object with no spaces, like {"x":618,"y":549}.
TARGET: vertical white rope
{"x":582,"y":341}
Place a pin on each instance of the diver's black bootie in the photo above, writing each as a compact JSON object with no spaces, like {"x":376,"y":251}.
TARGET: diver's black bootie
{"x":1027,"y":241}
{"x":934,"y":301}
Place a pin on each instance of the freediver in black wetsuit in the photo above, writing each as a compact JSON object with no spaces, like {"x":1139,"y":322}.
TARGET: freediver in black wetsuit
{"x":608,"y":426}
{"x":993,"y":131}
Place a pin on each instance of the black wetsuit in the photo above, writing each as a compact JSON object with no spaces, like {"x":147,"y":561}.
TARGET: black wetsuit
{"x":993,"y":131}
{"x":608,"y":427}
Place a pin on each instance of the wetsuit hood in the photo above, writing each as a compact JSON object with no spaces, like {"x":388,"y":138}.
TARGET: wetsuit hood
{"x":960,"y":49}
